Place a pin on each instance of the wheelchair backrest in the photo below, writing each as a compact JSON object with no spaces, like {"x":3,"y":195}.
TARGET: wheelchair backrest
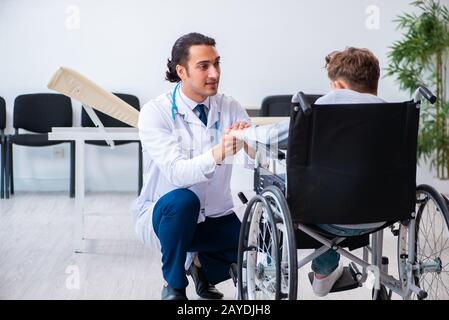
{"x":355,"y":163}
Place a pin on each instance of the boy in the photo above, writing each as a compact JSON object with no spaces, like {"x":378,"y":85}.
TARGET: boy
{"x":354,"y":75}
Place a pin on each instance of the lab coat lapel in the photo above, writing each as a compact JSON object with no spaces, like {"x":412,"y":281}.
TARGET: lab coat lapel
{"x":214,"y":113}
{"x":195,"y":128}
{"x":189,"y":115}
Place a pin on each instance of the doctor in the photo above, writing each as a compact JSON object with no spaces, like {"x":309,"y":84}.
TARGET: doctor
{"x":185,"y":206}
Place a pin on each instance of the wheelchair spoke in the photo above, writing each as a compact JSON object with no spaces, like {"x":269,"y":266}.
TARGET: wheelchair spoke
{"x":444,"y":246}
{"x":433,"y":254}
{"x":428,"y":218}
{"x":431,"y":245}
{"x":430,"y":286}
{"x":447,"y":289}
{"x":281,"y":229}
{"x":426,"y":242}
{"x":267,"y":269}
{"x":439,"y":237}
{"x":443,"y":290}
{"x":267,"y":288}
{"x":444,"y":267}
{"x":261,"y":265}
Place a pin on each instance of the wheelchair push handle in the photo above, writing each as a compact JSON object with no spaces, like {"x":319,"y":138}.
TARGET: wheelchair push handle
{"x":426,"y":93}
{"x":300,"y":100}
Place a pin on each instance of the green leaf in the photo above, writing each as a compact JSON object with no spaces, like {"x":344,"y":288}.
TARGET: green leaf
{"x":418,"y":59}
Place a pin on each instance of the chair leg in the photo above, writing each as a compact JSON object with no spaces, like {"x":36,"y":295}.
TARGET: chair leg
{"x":7,"y":169}
{"x":140,"y":180}
{"x":2,"y":181}
{"x":72,"y":169}
{"x":11,"y":169}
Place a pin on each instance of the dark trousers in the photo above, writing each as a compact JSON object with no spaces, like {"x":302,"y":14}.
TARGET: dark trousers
{"x":216,"y":240}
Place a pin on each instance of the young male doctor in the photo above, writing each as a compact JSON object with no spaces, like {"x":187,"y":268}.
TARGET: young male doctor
{"x":185,"y":205}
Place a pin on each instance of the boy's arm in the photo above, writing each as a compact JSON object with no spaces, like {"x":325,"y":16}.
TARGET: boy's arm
{"x":267,"y":134}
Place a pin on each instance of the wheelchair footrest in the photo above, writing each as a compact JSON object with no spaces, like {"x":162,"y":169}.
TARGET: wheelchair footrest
{"x":345,"y":282}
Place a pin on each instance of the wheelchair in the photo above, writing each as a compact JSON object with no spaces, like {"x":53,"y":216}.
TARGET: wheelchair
{"x":345,"y":164}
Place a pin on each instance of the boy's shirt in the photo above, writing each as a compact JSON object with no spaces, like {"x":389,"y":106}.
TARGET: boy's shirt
{"x":346,"y":96}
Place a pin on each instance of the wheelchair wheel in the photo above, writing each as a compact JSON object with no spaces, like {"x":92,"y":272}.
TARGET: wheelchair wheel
{"x":287,"y":242}
{"x":266,"y":258}
{"x":430,"y":249}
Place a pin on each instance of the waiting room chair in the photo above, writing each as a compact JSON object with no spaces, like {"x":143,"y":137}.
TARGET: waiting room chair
{"x":38,"y":114}
{"x":2,"y":144}
{"x":108,"y":121}
{"x":276,"y":106}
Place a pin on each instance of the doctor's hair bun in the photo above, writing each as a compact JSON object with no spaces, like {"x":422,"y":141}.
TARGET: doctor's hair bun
{"x":180,"y":53}
{"x":171,"y":75}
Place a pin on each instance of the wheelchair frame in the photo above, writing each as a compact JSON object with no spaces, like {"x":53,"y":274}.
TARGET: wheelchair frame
{"x":276,"y":275}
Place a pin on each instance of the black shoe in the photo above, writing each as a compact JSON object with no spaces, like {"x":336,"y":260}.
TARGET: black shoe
{"x":203,"y":288}
{"x":169,"y":293}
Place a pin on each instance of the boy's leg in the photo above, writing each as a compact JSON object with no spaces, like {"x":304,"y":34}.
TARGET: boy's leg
{"x":326,"y":266}
{"x":328,"y":261}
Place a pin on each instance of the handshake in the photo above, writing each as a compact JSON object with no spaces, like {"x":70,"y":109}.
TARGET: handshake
{"x":231,"y":142}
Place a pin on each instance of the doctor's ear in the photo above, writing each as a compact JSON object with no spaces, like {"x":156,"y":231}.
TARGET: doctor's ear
{"x":181,"y":71}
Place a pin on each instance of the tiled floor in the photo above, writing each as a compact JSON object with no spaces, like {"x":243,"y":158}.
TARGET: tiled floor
{"x":37,"y":259}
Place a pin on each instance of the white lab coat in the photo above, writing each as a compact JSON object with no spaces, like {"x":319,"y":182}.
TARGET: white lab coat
{"x":177,"y":154}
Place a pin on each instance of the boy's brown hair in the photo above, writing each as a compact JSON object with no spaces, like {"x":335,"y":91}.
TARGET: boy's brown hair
{"x":359,"y":68}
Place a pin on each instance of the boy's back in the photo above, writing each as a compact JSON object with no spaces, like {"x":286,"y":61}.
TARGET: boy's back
{"x":347,"y":96}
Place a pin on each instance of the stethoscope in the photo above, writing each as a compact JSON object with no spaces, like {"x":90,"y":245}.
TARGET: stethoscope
{"x":174,"y":111}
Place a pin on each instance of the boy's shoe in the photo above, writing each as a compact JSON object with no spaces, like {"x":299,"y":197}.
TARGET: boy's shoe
{"x":321,"y":287}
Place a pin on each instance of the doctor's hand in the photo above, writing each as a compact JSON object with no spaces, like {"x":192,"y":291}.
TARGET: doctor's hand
{"x":237,"y":130}
{"x":239,"y":125}
{"x":228,"y":146}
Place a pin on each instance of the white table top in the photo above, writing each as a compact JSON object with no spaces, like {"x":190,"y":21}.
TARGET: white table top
{"x":89,"y":133}
{"x":83,"y":133}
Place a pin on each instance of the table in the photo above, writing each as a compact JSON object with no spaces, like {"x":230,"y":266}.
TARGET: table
{"x":80,"y":135}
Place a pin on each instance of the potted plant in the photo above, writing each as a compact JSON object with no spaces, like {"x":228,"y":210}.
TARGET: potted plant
{"x":421,"y":58}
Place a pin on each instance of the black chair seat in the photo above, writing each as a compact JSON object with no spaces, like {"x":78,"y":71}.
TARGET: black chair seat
{"x":33,"y":140}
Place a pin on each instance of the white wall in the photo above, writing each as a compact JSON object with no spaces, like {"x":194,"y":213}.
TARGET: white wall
{"x":267,"y":47}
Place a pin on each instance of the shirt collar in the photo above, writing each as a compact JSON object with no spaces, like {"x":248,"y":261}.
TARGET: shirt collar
{"x":189,"y":102}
